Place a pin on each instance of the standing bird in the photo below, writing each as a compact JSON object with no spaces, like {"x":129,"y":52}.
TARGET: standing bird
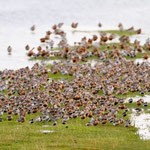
{"x":9,"y":118}
{"x":120,"y":26}
{"x":130,"y":100}
{"x":9,"y":49}
{"x":32,"y":28}
{"x":30,"y":53}
{"x":31,"y":121}
{"x":60,"y":25}
{"x":145,"y":104}
{"x":99,"y":25}
{"x":74,"y":25}
{"x":146,"y":56}
{"x":131,"y":29}
{"x":138,"y":31}
{"x":27,"y":47}
{"x":111,"y":37}
{"x":139,"y":102}
{"x":39,"y":48}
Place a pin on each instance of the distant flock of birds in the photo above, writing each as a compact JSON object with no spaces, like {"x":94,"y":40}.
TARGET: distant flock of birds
{"x":74,"y":26}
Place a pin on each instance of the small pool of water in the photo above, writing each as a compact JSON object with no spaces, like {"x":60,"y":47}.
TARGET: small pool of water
{"x":142,"y":122}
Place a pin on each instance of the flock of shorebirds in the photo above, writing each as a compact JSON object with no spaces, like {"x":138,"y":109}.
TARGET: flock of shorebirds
{"x":92,"y":93}
{"x":88,"y":47}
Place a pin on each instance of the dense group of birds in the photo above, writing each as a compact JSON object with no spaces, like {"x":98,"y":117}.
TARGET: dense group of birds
{"x":94,"y":91}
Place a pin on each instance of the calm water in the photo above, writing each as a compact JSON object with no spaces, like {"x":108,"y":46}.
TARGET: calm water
{"x":17,"y":16}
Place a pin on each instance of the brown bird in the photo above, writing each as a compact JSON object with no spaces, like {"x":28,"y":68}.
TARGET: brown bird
{"x":54,"y":27}
{"x":120,"y":26}
{"x":99,"y":25}
{"x":122,"y":106}
{"x":104,"y":121}
{"x":130,"y":29}
{"x":43,"y":40}
{"x":9,"y":118}
{"x":9,"y":49}
{"x":83,"y":116}
{"x":39,"y":48}
{"x":104,"y":38}
{"x":146,"y":56}
{"x":31,"y":52}
{"x":27,"y":47}
{"x":139,"y":102}
{"x":95,"y":37}
{"x":90,"y":114}
{"x":111,"y":37}
{"x":95,"y":122}
{"x":32,"y":28}
{"x":138,"y":31}
{"x":74,"y":25}
{"x":48,"y":32}
{"x":10,"y":111}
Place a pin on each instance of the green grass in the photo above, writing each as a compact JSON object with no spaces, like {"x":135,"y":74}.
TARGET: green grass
{"x":93,"y":58}
{"x":56,"y":48}
{"x":117,"y":32}
{"x":103,"y":47}
{"x":59,"y":76}
{"x":4,"y":92}
{"x":121,"y":33}
{"x":131,"y":94}
{"x":134,"y":105}
{"x":48,"y":66}
{"x":24,"y":136}
{"x":138,"y":55}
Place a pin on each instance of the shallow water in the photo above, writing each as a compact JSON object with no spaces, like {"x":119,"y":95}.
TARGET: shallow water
{"x":146,"y":98}
{"x":140,"y":60}
{"x":17,"y":17}
{"x":142,"y":122}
